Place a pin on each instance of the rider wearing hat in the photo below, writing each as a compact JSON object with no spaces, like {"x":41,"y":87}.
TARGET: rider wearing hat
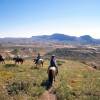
{"x":53,"y":63}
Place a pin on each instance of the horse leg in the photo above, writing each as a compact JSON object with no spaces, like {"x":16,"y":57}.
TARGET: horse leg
{"x":42,"y":64}
{"x":15,"y":62}
{"x":36,"y":65}
{"x":3,"y":62}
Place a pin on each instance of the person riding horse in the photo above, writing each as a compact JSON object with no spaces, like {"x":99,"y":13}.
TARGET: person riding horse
{"x":38,"y":61}
{"x":37,"y":58}
{"x":52,"y":70}
{"x":18,"y":59}
{"x":53,"y":64}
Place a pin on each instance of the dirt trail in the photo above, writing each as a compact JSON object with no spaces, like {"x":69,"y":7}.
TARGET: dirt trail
{"x":48,"y":95}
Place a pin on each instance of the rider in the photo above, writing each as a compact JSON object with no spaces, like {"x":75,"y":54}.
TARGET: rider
{"x":38,"y":57}
{"x":53,"y":64}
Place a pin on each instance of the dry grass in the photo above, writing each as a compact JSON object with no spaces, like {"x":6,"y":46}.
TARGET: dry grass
{"x":75,"y":81}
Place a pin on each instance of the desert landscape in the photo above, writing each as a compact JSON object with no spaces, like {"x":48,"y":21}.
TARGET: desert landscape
{"x":78,"y":78}
{"x":49,"y":49}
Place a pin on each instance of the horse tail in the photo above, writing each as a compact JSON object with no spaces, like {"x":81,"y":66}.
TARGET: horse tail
{"x":4,"y":61}
{"x":50,"y":77}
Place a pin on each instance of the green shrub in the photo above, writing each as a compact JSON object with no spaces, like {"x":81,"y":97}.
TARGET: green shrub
{"x":17,"y":87}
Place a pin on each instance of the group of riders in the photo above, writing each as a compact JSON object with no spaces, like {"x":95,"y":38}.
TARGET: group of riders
{"x":52,"y":66}
{"x":52,"y":69}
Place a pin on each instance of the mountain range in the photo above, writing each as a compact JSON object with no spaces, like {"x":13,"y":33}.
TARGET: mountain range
{"x":85,"y":39}
{"x":56,"y":37}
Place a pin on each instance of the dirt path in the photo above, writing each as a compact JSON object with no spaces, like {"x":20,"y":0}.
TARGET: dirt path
{"x":48,"y":95}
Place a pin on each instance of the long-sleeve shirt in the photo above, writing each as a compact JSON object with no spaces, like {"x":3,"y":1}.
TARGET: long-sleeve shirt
{"x":53,"y":63}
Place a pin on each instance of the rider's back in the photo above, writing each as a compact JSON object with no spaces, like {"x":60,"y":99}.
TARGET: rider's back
{"x":53,"y":63}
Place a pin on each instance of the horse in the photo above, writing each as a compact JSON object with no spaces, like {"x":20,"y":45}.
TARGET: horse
{"x":39,"y":62}
{"x":18,"y":60}
{"x":52,"y":72}
{"x":2,"y":60}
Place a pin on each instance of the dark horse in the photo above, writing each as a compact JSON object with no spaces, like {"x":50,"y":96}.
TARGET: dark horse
{"x":51,"y":75}
{"x":39,"y":62}
{"x":2,"y":60}
{"x":18,"y":60}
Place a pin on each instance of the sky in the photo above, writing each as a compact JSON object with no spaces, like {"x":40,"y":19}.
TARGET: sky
{"x":26,"y":18}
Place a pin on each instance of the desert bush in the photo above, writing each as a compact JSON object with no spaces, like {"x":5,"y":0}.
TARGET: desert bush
{"x":17,"y":87}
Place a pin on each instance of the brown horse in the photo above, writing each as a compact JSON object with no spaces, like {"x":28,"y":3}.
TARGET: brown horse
{"x":18,"y":60}
{"x":51,"y":75}
{"x":2,"y":60}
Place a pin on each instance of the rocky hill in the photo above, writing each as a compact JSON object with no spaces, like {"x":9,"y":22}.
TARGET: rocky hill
{"x":86,"y":39}
{"x":86,"y":55}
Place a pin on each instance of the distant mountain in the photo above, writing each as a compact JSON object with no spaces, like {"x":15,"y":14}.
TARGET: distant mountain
{"x":86,"y":39}
{"x":15,"y":40}
{"x":57,"y":37}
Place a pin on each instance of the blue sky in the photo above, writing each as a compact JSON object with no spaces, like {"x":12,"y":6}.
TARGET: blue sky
{"x":26,"y":18}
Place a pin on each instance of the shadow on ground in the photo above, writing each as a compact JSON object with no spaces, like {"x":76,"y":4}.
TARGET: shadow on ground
{"x":46,"y":84}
